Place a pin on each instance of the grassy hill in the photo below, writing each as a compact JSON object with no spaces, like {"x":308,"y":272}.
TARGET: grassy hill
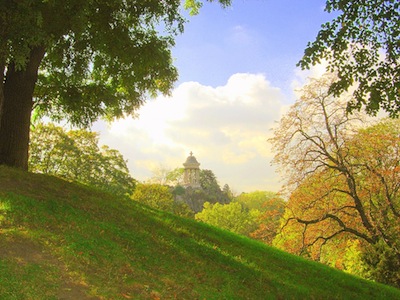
{"x":60,"y":240}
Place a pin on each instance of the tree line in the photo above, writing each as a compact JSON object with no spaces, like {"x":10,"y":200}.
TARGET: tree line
{"x":342,"y":180}
{"x":75,"y":155}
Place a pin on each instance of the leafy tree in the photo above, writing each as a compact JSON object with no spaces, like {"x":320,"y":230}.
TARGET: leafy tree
{"x":81,"y":60}
{"x":51,"y":149}
{"x":210,"y":186}
{"x":345,"y":180}
{"x":160,"y":197}
{"x":208,"y":181}
{"x":181,"y":209}
{"x":269,"y":222}
{"x":155,"y":195}
{"x":343,"y":251}
{"x":160,"y":174}
{"x":270,"y":208}
{"x":75,"y":155}
{"x":233,"y":217}
{"x":178,"y":190}
{"x":313,"y":199}
{"x":259,"y":200}
{"x":175,"y":177}
{"x":83,"y":166}
{"x":381,"y":263}
{"x":193,"y":197}
{"x":362,"y":46}
{"x":165,"y":176}
{"x":227,"y":191}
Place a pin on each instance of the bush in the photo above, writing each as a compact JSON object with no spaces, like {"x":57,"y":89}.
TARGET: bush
{"x":382,"y":264}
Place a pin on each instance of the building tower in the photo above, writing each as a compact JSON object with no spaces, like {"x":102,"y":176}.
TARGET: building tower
{"x":191,"y":176}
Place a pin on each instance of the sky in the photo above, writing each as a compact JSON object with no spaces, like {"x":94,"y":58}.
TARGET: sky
{"x":238,"y":74}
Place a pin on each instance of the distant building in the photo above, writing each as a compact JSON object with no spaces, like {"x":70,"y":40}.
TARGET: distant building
{"x":191,"y":175}
{"x":193,"y":194}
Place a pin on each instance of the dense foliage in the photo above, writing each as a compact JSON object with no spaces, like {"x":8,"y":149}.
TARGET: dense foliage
{"x":160,"y":197}
{"x":233,"y":217}
{"x":260,"y":200}
{"x":211,"y":187}
{"x":255,"y":214}
{"x":75,"y":155}
{"x":269,"y":220}
{"x":361,"y":45}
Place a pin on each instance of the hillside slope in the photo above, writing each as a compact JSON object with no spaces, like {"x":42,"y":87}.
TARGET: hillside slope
{"x":60,"y":240}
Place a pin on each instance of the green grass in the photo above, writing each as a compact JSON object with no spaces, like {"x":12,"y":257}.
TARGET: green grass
{"x":62,"y":240}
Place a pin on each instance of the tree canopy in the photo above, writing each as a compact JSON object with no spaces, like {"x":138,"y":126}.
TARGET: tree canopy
{"x":233,"y":217}
{"x":211,"y":188}
{"x":256,"y":215}
{"x":361,"y":45}
{"x":155,"y":195}
{"x":81,"y":61}
{"x":160,"y":197}
{"x":271,"y":208}
{"x":75,"y":155}
{"x":344,"y":178}
{"x":259,"y":200}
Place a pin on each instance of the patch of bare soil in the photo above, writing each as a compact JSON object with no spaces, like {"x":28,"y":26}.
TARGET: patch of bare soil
{"x":24,"y":251}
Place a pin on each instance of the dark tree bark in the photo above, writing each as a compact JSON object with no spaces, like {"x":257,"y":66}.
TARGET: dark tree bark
{"x":16,"y":110}
{"x":2,"y":68}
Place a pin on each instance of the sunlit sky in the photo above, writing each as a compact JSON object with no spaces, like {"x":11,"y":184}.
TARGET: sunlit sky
{"x":238,"y":72}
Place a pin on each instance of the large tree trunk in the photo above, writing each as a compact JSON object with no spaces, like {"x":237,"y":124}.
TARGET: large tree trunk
{"x":16,"y":111}
{"x":2,"y":69}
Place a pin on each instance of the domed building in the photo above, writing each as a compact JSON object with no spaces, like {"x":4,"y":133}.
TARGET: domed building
{"x":191,"y":175}
{"x":193,"y":194}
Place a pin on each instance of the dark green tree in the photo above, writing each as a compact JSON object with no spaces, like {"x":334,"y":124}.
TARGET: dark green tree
{"x":81,"y":60}
{"x":227,"y":191}
{"x":361,"y":45}
{"x":208,"y":181}
{"x":381,"y":263}
{"x":210,"y":186}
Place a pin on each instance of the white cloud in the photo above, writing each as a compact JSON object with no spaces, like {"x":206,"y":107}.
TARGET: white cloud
{"x":226,"y":127}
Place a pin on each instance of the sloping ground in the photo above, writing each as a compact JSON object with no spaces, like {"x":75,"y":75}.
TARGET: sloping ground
{"x":59,"y":240}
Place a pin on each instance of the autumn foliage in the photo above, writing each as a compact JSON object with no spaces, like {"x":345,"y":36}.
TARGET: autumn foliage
{"x":344,"y":183}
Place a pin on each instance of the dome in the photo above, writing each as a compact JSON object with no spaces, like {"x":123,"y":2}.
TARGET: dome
{"x":191,"y":162}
